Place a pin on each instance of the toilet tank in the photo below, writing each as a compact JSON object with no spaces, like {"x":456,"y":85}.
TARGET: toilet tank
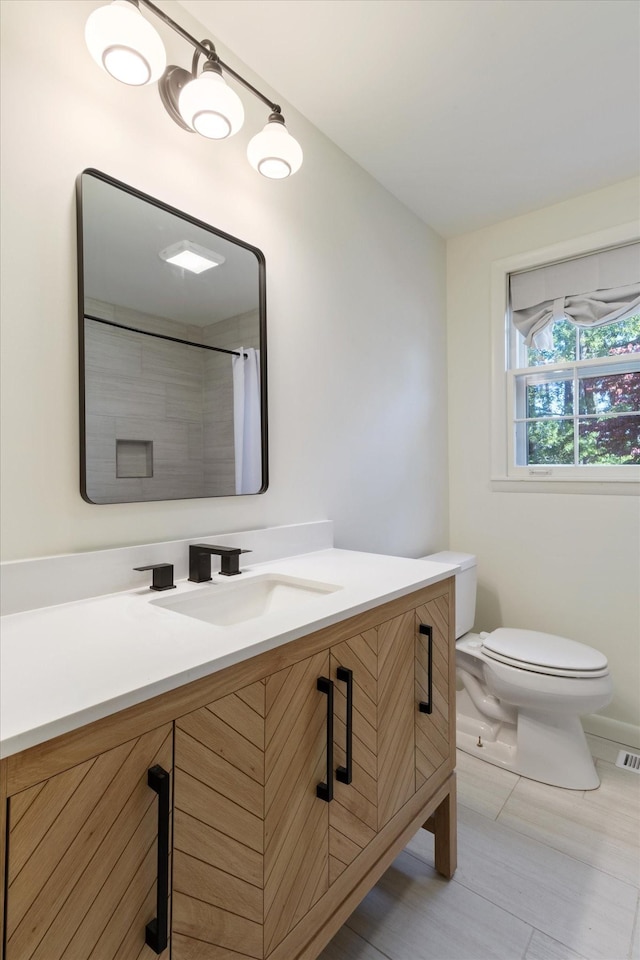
{"x":466,"y":585}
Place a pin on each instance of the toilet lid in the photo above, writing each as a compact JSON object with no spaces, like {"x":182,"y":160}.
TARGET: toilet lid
{"x":544,"y":653}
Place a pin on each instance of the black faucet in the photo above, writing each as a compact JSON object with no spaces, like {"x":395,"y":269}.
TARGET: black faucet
{"x":200,"y":561}
{"x":162,"y":578}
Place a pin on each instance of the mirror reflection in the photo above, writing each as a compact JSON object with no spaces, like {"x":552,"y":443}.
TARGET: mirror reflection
{"x":172,"y":352}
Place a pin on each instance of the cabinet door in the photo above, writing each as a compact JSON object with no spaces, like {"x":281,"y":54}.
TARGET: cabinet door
{"x":353,"y":813}
{"x":434,"y":729}
{"x":296,"y":856}
{"x":83,"y":858}
{"x":396,"y":715}
{"x":250,"y":833}
{"x":219,"y":829}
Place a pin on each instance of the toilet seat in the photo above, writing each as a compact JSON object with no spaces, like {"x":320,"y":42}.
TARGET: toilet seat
{"x":544,"y":653}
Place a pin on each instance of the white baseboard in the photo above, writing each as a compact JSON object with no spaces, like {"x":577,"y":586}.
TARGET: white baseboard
{"x":625,"y":733}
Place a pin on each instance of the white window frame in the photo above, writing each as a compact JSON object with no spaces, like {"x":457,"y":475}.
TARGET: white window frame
{"x":504,"y":470}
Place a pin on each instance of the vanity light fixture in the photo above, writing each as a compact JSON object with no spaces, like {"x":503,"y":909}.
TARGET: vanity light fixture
{"x":191,"y":256}
{"x":124,"y":44}
{"x":205,"y":103}
{"x":273,"y":152}
{"x":129,"y":48}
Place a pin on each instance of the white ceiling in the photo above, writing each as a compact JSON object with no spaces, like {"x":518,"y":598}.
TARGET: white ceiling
{"x":468,"y":111}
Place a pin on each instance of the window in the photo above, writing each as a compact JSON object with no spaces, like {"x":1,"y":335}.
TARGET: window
{"x":569,"y":392}
{"x":578,"y":402}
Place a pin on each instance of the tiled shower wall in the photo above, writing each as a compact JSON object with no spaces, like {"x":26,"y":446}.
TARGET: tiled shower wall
{"x":142,"y":388}
{"x":178,"y":397}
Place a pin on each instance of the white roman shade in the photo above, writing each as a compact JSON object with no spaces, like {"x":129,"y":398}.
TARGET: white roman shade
{"x":588,"y":291}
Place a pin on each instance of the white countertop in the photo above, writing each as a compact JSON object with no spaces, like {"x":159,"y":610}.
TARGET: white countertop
{"x":64,"y":666}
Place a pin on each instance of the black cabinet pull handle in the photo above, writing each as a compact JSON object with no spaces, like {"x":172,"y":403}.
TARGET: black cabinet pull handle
{"x":426,"y":706}
{"x":157,"y":930}
{"x":325,"y":790}
{"x":344,"y":774}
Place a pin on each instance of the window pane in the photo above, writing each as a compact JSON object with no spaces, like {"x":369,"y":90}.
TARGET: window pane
{"x":564,"y":346}
{"x":616,"y":392}
{"x":610,"y":440}
{"x":549,"y":441}
{"x":611,"y":340}
{"x":551,"y":398}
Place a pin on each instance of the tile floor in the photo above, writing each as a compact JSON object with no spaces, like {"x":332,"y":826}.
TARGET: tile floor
{"x":543,"y":874}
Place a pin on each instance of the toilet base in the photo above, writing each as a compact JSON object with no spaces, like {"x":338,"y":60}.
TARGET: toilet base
{"x":551,"y":750}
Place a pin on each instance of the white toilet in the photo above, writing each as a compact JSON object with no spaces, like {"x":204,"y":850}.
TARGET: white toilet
{"x":520,"y":693}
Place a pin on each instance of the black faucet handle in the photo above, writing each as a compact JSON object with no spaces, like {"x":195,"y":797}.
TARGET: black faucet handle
{"x":230,"y":562}
{"x":162,"y":578}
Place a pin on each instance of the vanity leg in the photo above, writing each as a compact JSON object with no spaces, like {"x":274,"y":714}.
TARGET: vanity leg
{"x":443,"y":825}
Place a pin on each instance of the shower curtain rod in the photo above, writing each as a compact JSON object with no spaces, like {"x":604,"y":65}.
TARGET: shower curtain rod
{"x":164,"y":336}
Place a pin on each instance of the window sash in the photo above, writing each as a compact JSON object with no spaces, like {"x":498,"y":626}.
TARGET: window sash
{"x":518,"y":352}
{"x":518,"y":381}
{"x":605,"y":366}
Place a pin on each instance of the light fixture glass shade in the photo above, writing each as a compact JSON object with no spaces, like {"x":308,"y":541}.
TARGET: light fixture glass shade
{"x":124,"y":44}
{"x":210,"y":107}
{"x":274,"y":152}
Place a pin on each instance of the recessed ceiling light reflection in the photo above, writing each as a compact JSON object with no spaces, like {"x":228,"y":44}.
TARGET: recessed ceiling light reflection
{"x":191,"y":256}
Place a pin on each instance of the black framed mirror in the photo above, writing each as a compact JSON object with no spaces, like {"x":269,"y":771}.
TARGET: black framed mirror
{"x":172,"y":334}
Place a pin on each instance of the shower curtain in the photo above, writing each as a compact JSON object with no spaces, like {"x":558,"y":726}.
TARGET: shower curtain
{"x":246,"y":420}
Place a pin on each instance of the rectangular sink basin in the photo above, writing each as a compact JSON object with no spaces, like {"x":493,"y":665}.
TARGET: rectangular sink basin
{"x":230,"y":603}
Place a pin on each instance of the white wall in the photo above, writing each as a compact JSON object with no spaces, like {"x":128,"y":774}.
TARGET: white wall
{"x":564,"y":563}
{"x":355,"y":297}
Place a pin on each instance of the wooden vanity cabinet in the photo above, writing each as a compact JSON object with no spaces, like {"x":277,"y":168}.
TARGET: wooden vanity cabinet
{"x":82,"y":857}
{"x":248,"y":767}
{"x":266,"y":862}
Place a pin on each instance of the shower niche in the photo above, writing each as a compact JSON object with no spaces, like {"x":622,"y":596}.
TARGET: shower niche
{"x":172,"y":346}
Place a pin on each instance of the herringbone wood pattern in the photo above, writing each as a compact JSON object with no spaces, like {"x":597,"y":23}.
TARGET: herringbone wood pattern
{"x":432,"y":730}
{"x":396,"y":715}
{"x":82,"y":858}
{"x":353,"y":813}
{"x":218,"y":845}
{"x":296,"y":822}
